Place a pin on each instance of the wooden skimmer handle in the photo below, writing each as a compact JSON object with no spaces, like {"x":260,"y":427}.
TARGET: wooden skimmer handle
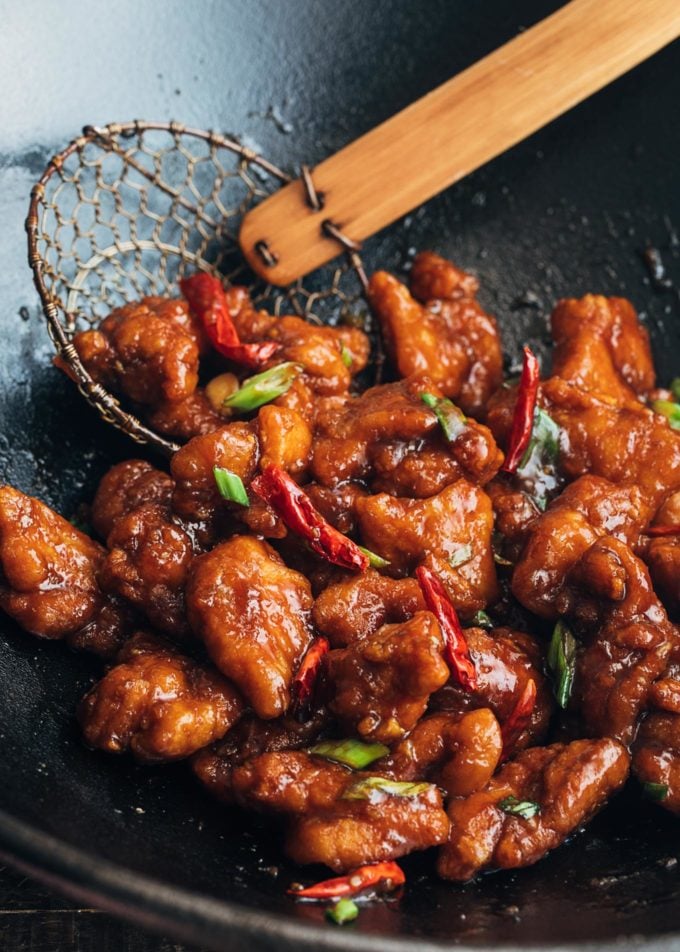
{"x":453,"y":130}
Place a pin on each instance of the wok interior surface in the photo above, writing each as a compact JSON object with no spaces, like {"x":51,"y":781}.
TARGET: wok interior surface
{"x":570,"y":211}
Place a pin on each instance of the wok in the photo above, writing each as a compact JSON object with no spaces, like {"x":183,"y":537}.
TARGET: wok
{"x":571,"y":210}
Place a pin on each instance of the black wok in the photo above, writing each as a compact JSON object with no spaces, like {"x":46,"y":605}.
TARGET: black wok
{"x":569,"y":211}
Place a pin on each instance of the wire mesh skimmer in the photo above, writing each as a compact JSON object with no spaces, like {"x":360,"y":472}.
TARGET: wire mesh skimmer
{"x":127,"y":209}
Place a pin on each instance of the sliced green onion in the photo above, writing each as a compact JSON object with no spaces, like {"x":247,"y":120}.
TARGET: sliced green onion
{"x":375,"y":561}
{"x":263,"y":388}
{"x":670,"y":410}
{"x":537,"y":467}
{"x":352,"y":753}
{"x":346,"y":357}
{"x":675,"y":388}
{"x":369,"y":787}
{"x":230,"y":486}
{"x":481,"y":620}
{"x":461,"y":555}
{"x":562,"y":662}
{"x":342,"y":911}
{"x":526,"y":809}
{"x":655,"y":791}
{"x":451,"y":419}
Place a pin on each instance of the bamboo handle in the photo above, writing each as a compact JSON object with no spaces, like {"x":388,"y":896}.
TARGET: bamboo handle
{"x":453,"y":130}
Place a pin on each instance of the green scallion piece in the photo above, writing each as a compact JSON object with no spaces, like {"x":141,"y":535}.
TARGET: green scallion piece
{"x":675,"y":388}
{"x":451,"y":419}
{"x":375,"y":788}
{"x":670,"y":410}
{"x":536,"y":470}
{"x":263,"y":388}
{"x":230,"y":486}
{"x":526,"y":809}
{"x":562,"y":662}
{"x":342,"y":911}
{"x":352,"y":753}
{"x":460,"y":555}
{"x":655,"y":791}
{"x":346,"y":357}
{"x":481,"y":620}
{"x":375,"y":561}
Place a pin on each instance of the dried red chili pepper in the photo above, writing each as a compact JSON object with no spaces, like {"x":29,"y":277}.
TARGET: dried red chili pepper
{"x":304,"y":684}
{"x":523,"y":419}
{"x":295,"y":508}
{"x":657,"y":531}
{"x":519,"y":718}
{"x":209,"y":304}
{"x":386,"y":875}
{"x":456,"y":650}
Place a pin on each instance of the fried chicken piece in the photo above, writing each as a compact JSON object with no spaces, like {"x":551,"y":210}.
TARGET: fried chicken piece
{"x":123,"y":488}
{"x":568,"y":783}
{"x":148,"y":564}
{"x":214,"y":766}
{"x":622,"y":444}
{"x":449,"y":532}
{"x":252,"y":612}
{"x":600,"y":345}
{"x":379,"y":686}
{"x":141,"y":354}
{"x":196,"y":496}
{"x":656,"y":756}
{"x":328,"y":822}
{"x":505,"y":660}
{"x":458,"y":752}
{"x":48,"y":569}
{"x":177,"y":311}
{"x":329,"y":356}
{"x":158,"y":704}
{"x":336,"y":505}
{"x":107,"y":632}
{"x":390,"y":437}
{"x":358,"y":605}
{"x":628,"y":636}
{"x":451,"y":339}
{"x":587,"y":509}
{"x":515,"y":514}
{"x":285,"y":439}
{"x":185,"y":419}
{"x":662,"y":555}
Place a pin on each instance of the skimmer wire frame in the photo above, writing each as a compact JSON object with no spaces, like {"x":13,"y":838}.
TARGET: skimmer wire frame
{"x":127,"y":209}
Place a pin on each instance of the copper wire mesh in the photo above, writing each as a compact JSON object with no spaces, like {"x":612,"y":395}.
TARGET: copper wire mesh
{"x":127,"y":209}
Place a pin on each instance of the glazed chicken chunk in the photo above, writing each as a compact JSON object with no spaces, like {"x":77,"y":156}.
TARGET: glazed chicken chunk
{"x":158,"y":704}
{"x":252,"y":613}
{"x":123,"y":488}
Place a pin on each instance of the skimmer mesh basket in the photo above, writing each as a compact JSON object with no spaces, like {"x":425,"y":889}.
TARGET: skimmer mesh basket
{"x":127,"y":209}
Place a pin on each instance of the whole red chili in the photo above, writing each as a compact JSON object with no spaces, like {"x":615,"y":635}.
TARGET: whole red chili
{"x":523,"y":419}
{"x":386,"y":875}
{"x":294,"y":506}
{"x":304,"y":684}
{"x":456,"y":650}
{"x":519,"y":718}
{"x":656,"y":531}
{"x":209,"y":304}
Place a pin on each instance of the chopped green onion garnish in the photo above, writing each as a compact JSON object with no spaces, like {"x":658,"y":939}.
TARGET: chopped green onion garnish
{"x":537,"y":467}
{"x":670,"y":410}
{"x":263,"y":388}
{"x":352,"y":753}
{"x":481,"y":620}
{"x":375,"y":561}
{"x":562,"y":662}
{"x":524,"y":808}
{"x":460,"y":555}
{"x":230,"y":486}
{"x":655,"y":791}
{"x":346,"y":357}
{"x":675,"y":388}
{"x":342,"y":911}
{"x":451,"y":419}
{"x":500,"y":559}
{"x":367,"y":789}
